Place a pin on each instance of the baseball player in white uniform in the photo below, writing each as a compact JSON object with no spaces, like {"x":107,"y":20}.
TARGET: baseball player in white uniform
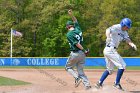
{"x":115,"y":34}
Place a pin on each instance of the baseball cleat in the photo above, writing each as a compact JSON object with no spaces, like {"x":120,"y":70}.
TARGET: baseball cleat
{"x":77,"y":82}
{"x":118,"y":86}
{"x":88,"y":87}
{"x":98,"y":85}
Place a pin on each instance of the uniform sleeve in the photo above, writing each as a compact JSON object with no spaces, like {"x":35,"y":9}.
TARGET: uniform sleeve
{"x":126,"y":36}
{"x":113,"y":29}
{"x":76,"y":25}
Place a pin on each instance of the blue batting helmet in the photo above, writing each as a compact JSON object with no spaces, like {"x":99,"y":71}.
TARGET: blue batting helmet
{"x":126,"y":22}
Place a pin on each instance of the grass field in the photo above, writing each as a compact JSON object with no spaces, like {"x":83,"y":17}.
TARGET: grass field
{"x":62,"y":67}
{"x":4,"y":81}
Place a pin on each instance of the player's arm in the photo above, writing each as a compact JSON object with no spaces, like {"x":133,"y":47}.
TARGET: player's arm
{"x":72,"y":16}
{"x":81,"y":48}
{"x":108,"y":38}
{"x":76,"y":42}
{"x":131,"y":43}
{"x":76,"y":24}
{"x":108,"y":33}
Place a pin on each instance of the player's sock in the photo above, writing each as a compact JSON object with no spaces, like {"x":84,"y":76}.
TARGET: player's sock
{"x":119,"y":75}
{"x":104,"y":76}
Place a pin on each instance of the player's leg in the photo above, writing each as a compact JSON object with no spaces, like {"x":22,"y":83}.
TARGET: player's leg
{"x":121,"y":68}
{"x":108,"y":71}
{"x":71,"y":62}
{"x":80,"y":70}
{"x":118,"y":78}
{"x":119,"y":62}
{"x":83,"y":76}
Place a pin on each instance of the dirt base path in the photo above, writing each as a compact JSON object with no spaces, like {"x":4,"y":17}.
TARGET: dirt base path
{"x":59,"y":81}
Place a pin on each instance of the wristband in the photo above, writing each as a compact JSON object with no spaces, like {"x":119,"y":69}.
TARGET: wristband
{"x":83,"y":50}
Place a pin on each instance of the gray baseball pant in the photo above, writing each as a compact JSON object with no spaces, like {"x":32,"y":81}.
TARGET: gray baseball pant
{"x":77,"y":59}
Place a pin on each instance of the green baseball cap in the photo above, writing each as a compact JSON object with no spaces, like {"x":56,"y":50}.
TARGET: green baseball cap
{"x":69,"y":23}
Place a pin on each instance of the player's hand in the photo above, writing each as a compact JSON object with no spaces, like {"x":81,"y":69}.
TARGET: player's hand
{"x":86,"y":51}
{"x":133,"y":46}
{"x":70,"y":12}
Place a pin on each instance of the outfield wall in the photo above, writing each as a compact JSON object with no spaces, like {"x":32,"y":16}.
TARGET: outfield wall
{"x":58,"y":61}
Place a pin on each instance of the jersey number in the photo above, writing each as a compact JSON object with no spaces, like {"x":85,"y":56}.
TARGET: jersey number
{"x":79,"y":36}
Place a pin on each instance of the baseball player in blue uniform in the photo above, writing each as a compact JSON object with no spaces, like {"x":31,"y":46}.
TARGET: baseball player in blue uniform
{"x":78,"y":53}
{"x":114,"y":35}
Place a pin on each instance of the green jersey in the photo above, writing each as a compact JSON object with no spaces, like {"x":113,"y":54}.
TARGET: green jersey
{"x":74,"y":37}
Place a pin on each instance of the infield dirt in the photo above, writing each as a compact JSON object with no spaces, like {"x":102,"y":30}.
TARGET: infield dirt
{"x":59,"y":81}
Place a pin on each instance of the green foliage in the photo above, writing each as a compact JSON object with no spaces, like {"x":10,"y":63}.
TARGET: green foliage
{"x":42,"y":23}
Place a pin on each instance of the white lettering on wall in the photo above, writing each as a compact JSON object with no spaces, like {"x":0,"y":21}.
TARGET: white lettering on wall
{"x":43,"y":61}
{"x":2,"y":62}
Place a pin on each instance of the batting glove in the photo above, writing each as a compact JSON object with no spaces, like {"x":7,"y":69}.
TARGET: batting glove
{"x":133,"y":46}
